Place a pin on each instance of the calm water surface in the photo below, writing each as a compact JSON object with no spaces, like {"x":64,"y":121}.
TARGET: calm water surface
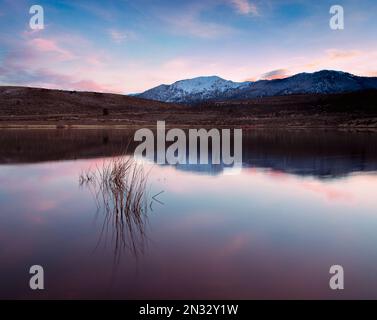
{"x":303,"y":201}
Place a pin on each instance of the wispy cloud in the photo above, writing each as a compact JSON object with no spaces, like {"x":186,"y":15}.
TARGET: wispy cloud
{"x":50,"y":46}
{"x":342,"y":54}
{"x":15,"y":74}
{"x":191,"y":24}
{"x":275,"y":74}
{"x":245,"y":7}
{"x":119,"y":36}
{"x":42,"y":62}
{"x":336,"y":56}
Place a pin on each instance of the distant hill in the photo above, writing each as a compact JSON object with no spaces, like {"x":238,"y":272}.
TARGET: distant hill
{"x":38,"y":101}
{"x":213,"y":88}
{"x":38,"y":106}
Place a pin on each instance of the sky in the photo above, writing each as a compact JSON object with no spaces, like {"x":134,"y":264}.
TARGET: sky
{"x":127,"y":46}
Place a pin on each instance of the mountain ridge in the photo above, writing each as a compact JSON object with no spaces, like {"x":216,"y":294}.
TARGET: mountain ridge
{"x":214,"y":88}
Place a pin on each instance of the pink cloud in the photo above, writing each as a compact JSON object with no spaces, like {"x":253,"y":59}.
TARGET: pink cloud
{"x":342,"y":54}
{"x":40,"y":62}
{"x":191,"y":24}
{"x":245,"y":7}
{"x":53,"y":80}
{"x":45,"y":45}
{"x":91,"y":86}
{"x":334,"y":57}
{"x":30,"y":32}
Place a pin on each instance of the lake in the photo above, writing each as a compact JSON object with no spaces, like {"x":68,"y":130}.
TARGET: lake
{"x":304,"y":200}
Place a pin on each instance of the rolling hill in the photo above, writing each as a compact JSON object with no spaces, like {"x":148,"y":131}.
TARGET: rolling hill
{"x":35,"y":107}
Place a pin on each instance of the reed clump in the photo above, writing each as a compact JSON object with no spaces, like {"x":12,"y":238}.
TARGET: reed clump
{"x":119,"y":187}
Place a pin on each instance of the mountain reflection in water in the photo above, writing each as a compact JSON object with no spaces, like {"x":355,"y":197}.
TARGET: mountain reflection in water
{"x":318,"y":153}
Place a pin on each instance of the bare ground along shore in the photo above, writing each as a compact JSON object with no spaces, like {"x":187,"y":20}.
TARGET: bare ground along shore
{"x":22,"y":107}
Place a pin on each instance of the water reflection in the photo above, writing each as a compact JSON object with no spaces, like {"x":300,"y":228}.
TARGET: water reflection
{"x":119,"y":187}
{"x":303,"y":202}
{"x":325,"y":154}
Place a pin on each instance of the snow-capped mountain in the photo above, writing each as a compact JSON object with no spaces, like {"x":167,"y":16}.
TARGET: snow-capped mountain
{"x":194,"y":90}
{"x":325,"y":82}
{"x":215,"y":88}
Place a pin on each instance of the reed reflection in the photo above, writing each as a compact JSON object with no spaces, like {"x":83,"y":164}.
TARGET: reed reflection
{"x":119,"y":187}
